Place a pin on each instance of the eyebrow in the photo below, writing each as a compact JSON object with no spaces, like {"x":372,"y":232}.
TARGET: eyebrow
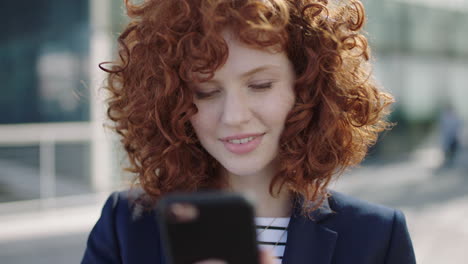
{"x":258,"y":69}
{"x":250,"y":72}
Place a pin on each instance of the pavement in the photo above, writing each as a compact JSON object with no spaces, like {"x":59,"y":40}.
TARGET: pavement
{"x":434,"y":200}
{"x":57,"y":235}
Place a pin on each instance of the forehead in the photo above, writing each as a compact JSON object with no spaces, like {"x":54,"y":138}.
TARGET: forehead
{"x":243,"y":58}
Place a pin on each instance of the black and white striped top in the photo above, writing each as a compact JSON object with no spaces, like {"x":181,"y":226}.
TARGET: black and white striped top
{"x":274,"y":237}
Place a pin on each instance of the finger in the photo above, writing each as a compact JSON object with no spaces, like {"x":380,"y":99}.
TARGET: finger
{"x":266,"y":257}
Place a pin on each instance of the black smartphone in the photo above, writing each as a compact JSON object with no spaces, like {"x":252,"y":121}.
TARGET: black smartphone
{"x":211,"y":225}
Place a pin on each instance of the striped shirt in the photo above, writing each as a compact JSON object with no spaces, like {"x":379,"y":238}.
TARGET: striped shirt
{"x":274,"y":237}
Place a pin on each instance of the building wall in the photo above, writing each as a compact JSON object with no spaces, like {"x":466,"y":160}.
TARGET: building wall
{"x":44,"y":54}
{"x":45,"y":98}
{"x":421,"y":56}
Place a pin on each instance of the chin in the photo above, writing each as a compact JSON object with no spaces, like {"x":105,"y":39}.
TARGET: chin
{"x":244,"y":170}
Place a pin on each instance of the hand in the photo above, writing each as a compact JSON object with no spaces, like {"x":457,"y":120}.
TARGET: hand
{"x":265,"y":258}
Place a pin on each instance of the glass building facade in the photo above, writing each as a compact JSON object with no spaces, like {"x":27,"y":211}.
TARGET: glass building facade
{"x":44,"y":56}
{"x":421,"y":56}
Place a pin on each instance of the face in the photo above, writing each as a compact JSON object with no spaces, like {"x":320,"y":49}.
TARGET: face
{"x":242,"y":110}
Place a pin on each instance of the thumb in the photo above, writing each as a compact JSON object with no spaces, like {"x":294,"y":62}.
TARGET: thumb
{"x":266,"y":257}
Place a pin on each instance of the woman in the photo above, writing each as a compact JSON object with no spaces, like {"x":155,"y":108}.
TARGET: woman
{"x":268,"y":98}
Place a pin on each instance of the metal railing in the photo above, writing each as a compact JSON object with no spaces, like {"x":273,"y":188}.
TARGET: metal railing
{"x":45,"y":136}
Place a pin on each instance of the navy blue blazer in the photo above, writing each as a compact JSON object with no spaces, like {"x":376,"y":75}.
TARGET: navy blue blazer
{"x":344,"y":231}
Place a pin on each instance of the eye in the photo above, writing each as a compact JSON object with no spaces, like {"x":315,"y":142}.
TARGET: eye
{"x":205,"y":95}
{"x":261,"y":86}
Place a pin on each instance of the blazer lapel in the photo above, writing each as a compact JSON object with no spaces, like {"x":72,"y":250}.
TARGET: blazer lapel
{"x":308,"y":241}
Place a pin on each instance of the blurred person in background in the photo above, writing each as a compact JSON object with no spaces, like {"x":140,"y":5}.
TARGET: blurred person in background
{"x":272,"y":98}
{"x":450,"y":130}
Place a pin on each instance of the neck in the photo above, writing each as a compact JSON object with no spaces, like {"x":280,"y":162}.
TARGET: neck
{"x":256,"y":188}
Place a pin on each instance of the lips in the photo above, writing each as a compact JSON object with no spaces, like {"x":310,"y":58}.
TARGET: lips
{"x":241,"y":136}
{"x":242,"y":144}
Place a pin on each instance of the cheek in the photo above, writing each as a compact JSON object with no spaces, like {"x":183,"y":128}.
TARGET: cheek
{"x":278,"y":107}
{"x":196,"y":124}
{"x":203,"y":121}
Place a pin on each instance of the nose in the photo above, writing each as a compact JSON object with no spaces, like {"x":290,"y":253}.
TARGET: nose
{"x":236,"y":110}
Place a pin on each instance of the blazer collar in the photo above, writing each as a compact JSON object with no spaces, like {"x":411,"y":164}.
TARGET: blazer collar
{"x":308,"y":240}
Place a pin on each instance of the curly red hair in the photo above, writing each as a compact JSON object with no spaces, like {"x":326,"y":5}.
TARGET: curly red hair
{"x":338,"y":110}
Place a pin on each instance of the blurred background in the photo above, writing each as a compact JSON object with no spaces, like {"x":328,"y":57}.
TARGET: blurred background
{"x":58,"y":163}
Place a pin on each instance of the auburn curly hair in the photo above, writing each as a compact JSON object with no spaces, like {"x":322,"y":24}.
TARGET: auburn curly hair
{"x":338,"y":110}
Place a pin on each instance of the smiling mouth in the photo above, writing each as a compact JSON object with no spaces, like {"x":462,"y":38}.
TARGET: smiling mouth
{"x":241,"y":138}
{"x":241,"y":141}
{"x":242,"y":144}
